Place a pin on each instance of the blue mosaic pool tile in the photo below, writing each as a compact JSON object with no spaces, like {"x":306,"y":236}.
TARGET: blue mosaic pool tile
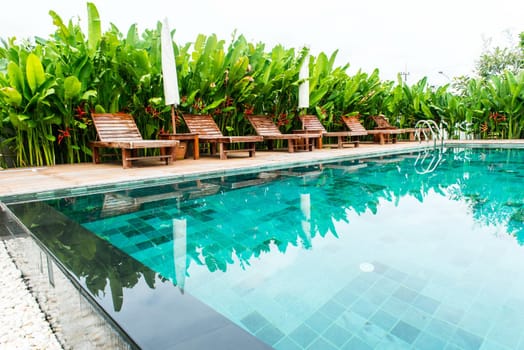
{"x":371,"y":334}
{"x":405,"y":294}
{"x":346,"y":297}
{"x":332,"y":309}
{"x":449,"y":313}
{"x":130,"y":249}
{"x":160,"y":240}
{"x":440,"y":329}
{"x":395,"y":306}
{"x":476,"y":322}
{"x":451,"y":346}
{"x":437,"y":290}
{"x":386,"y":285}
{"x":375,"y":296}
{"x":415,"y":283}
{"x":119,"y":239}
{"x":405,"y":332}
{"x":145,"y":245}
{"x":391,"y":342}
{"x":359,"y":284}
{"x":351,"y":321}
{"x":304,"y":335}
{"x":491,"y":345}
{"x":506,"y":335}
{"x":384,"y":320}
{"x":321,"y":344}
{"x":254,"y":322}
{"x":416,"y":318}
{"x":396,"y":275}
{"x":379,"y":268}
{"x":337,"y":335}
{"x":364,"y":308}
{"x":466,"y":340}
{"x":270,"y":334}
{"x":356,"y":343}
{"x":130,"y":232}
{"x":426,"y":304}
{"x":319,"y":322}
{"x":427,"y":341}
{"x":287,"y":343}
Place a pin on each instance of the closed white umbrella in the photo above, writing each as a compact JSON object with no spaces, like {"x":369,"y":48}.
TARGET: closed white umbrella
{"x":171,"y":94}
{"x":303,"y":88}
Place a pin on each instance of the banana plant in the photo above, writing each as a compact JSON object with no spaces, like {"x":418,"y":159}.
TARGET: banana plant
{"x":506,"y":96}
{"x":27,"y":102}
{"x":49,"y":87}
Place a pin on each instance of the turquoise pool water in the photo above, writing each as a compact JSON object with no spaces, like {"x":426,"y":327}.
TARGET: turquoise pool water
{"x":415,"y":251}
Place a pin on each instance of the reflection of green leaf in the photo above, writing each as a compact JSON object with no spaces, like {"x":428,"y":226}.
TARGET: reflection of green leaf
{"x":211,"y":263}
{"x":149,"y":277}
{"x":518,"y":216}
{"x":117,"y":292}
{"x":87,"y":256}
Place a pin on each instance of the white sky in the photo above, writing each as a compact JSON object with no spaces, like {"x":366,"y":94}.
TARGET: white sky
{"x":420,"y":37}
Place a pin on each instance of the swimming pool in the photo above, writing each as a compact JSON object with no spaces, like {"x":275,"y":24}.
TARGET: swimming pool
{"x":407,"y":251}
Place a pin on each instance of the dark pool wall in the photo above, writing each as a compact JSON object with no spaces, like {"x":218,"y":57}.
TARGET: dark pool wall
{"x":76,"y":321}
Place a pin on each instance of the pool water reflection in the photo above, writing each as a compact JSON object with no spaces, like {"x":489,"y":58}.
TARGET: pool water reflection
{"x":368,"y":253}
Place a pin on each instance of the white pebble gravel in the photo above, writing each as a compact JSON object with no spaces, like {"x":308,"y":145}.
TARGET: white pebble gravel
{"x":22,"y":323}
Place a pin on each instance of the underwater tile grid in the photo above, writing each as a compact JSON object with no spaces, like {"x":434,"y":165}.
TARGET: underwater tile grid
{"x":442,"y":292}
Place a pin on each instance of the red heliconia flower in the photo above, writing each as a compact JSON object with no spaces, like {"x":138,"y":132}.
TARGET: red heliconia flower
{"x":497,"y":117}
{"x":229,"y":101}
{"x":249,"y":110}
{"x":80,"y":113}
{"x":62,"y":134}
{"x":151,"y":110}
{"x":282,"y":119}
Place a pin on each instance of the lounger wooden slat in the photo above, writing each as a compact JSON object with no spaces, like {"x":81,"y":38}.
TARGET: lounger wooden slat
{"x":119,"y":130}
{"x":300,"y":139}
{"x":311,"y":122}
{"x":381,"y":135}
{"x":209,"y":132}
{"x":383,"y":124}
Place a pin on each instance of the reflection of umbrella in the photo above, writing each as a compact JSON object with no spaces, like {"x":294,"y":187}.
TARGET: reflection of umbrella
{"x":180,"y":251}
{"x":171,"y":94}
{"x":303,"y":88}
{"x":305,"y":208}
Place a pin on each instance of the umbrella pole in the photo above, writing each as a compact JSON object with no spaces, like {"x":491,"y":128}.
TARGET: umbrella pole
{"x":173,"y":118}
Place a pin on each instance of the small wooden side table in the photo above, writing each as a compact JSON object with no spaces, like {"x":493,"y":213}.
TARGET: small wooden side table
{"x":190,"y":136}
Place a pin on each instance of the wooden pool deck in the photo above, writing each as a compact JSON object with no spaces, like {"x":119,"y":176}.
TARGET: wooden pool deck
{"x":21,"y":181}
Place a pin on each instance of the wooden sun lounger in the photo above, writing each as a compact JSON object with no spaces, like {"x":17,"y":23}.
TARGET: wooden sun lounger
{"x":381,"y":135}
{"x":312,"y":123}
{"x":119,"y":130}
{"x":300,"y":139}
{"x":383,"y":124}
{"x":209,"y":132}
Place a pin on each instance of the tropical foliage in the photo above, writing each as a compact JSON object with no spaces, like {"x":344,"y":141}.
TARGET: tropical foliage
{"x":48,"y":88}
